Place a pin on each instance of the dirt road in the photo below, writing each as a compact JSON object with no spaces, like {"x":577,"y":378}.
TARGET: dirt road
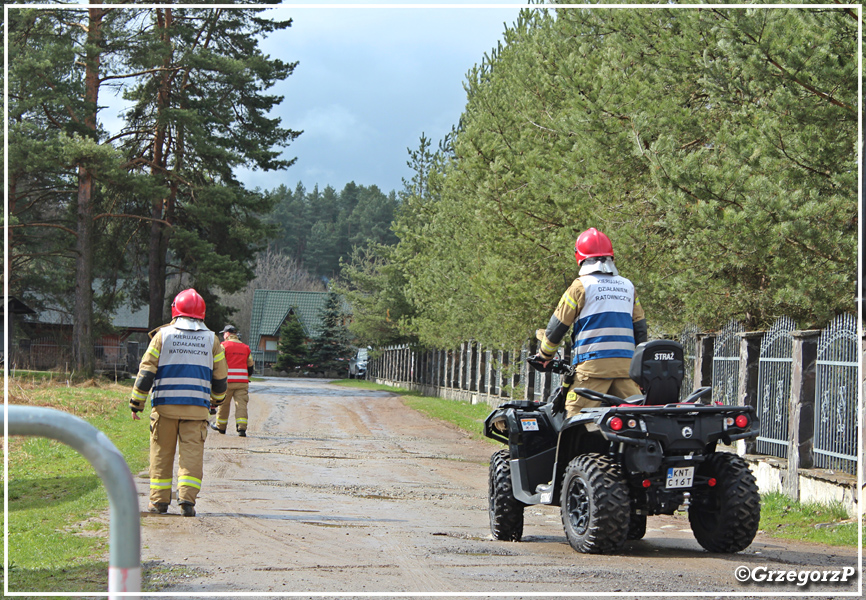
{"x":346,"y":491}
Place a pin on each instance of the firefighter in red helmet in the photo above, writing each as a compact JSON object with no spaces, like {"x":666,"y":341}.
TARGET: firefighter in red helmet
{"x":240,"y":364}
{"x":184,"y":371}
{"x":608,"y":322}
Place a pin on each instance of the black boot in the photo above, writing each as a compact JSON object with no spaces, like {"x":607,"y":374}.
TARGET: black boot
{"x":187,"y":509}
{"x":159,"y":508}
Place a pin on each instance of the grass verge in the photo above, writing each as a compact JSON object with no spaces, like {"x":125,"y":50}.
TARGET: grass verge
{"x":58,"y":528}
{"x":811,"y":522}
{"x":780,"y":517}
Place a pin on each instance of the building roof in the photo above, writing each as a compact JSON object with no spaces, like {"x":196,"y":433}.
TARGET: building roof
{"x":16,"y":307}
{"x":124,"y":317}
{"x":270,"y":308}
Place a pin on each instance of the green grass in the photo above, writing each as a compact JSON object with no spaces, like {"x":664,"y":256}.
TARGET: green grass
{"x":812,"y":522}
{"x":34,"y":376}
{"x":58,"y":527}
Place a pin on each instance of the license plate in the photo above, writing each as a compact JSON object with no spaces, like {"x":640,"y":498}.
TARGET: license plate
{"x":680,"y":477}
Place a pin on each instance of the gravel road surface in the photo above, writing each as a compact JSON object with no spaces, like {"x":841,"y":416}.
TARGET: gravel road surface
{"x":344,"y":491}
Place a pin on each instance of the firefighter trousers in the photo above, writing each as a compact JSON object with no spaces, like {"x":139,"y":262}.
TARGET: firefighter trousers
{"x":240,"y":393}
{"x":622,"y":387}
{"x":187,"y":436}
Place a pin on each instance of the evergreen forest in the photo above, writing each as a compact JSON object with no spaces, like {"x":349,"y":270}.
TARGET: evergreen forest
{"x":716,"y":146}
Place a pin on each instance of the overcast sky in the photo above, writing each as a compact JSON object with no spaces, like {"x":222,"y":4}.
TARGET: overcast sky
{"x":370,"y":81}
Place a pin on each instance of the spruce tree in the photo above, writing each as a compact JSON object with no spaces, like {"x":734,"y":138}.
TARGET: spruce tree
{"x":292,"y":350}
{"x":332,"y":348}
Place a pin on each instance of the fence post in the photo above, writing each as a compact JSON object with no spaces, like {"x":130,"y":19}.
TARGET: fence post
{"x":801,"y":408}
{"x":704,"y":347}
{"x":750,"y":353}
{"x":502,"y":372}
{"x":461,"y":375}
{"x":473,"y":367}
{"x":529,"y":384}
{"x":482,"y":378}
{"x":124,"y":537}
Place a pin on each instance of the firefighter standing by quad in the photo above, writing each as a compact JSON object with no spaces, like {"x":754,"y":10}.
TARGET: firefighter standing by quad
{"x":184,"y":370}
{"x":608,"y":323}
{"x":240,"y":367}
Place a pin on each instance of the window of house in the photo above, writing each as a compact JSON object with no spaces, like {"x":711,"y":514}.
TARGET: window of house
{"x":271,"y":345}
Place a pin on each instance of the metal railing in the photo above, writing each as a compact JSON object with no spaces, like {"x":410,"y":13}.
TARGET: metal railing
{"x":774,"y":388}
{"x":767,"y":376}
{"x":726,"y":364}
{"x":835,"y":445}
{"x":124,"y":560}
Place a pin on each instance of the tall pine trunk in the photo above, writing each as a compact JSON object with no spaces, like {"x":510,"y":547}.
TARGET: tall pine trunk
{"x":82,"y":326}
{"x":162,"y":208}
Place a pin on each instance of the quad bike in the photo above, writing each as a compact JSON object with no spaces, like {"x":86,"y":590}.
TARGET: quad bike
{"x":610,"y":467}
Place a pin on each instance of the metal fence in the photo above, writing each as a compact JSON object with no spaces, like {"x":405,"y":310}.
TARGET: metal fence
{"x":765,"y":382}
{"x":689,"y":341}
{"x":835,"y":444}
{"x":774,"y":387}
{"x":726,"y":364}
{"x":50,"y":353}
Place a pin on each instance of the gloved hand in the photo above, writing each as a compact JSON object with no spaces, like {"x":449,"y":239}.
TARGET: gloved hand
{"x":539,"y":362}
{"x":212,"y":410}
{"x":136,"y":406}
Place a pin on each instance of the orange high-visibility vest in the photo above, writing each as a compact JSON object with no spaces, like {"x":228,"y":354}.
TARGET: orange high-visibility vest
{"x":237,"y":354}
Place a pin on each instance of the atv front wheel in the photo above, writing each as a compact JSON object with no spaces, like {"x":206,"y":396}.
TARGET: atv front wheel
{"x":506,"y":512}
{"x":725,"y":518}
{"x":595,"y":504}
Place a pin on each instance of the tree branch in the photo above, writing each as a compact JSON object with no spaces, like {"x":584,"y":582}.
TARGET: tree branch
{"x":139,"y":217}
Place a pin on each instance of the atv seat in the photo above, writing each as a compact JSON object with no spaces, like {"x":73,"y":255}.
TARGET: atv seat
{"x":658,"y":368}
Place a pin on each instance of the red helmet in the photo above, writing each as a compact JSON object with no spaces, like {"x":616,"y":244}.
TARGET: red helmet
{"x":188,"y":303}
{"x":591,"y":243}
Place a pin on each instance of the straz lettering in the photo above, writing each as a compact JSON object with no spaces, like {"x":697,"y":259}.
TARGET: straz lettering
{"x":664,"y":356}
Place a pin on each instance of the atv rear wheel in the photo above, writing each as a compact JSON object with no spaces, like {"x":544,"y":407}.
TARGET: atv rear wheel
{"x":725,"y":518}
{"x":506,"y":512}
{"x":595,"y":504}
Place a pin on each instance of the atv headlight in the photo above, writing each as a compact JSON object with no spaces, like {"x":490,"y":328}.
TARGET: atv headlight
{"x":500,"y":425}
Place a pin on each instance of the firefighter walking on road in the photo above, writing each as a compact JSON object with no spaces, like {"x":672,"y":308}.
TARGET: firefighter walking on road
{"x":240,"y":367}
{"x":184,"y":370}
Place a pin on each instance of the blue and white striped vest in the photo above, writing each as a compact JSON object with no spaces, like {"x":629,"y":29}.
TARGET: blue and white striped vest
{"x":604,"y":326}
{"x":185,"y":369}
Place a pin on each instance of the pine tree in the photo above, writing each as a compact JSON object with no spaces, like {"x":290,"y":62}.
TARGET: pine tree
{"x":292,"y":350}
{"x":332,"y":348}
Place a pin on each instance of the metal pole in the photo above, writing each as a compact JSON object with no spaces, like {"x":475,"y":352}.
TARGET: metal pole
{"x":124,"y":561}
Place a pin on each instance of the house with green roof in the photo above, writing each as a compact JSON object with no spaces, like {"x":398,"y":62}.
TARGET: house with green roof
{"x":271,"y":308}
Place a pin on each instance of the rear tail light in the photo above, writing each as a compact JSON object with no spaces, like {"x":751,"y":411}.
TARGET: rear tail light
{"x":742,"y":421}
{"x":615,"y":423}
{"x":646,"y":483}
{"x":712,"y":482}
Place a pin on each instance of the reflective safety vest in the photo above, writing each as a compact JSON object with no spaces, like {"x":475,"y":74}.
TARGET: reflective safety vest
{"x":604,"y":327}
{"x":185,"y":369}
{"x":237,"y":355}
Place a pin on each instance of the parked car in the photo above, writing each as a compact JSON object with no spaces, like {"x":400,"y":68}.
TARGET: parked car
{"x":358,"y":364}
